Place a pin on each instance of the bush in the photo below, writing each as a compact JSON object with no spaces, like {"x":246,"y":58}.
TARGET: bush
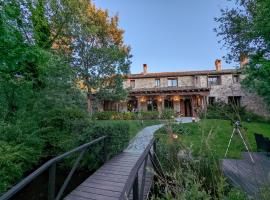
{"x":107,"y":115}
{"x":221,"y":110}
{"x":15,"y":161}
{"x":167,"y":114}
{"x":175,"y":129}
{"x":117,"y":140}
{"x":189,"y":177}
{"x":147,"y":115}
{"x":113,"y":115}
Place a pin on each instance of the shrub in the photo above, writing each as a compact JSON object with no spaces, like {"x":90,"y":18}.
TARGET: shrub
{"x":175,"y":128}
{"x":118,"y":139}
{"x":113,"y":115}
{"x":107,"y":115}
{"x":147,"y":115}
{"x":167,"y":114}
{"x":15,"y":161}
{"x":221,"y":110}
{"x":190,"y":177}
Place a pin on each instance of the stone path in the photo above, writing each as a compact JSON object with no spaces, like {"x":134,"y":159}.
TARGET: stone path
{"x":142,"y":139}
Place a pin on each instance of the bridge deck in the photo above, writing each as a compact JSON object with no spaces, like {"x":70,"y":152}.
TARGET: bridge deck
{"x":108,"y":182}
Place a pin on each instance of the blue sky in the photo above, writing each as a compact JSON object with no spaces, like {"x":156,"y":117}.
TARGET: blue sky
{"x":169,"y":35}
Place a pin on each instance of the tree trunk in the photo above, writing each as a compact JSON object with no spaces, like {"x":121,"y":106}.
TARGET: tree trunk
{"x":89,"y":104}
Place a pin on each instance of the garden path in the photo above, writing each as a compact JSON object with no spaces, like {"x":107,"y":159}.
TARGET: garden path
{"x":142,"y":139}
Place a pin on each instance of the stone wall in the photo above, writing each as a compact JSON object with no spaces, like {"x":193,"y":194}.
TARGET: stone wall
{"x":221,"y":92}
{"x":186,"y":81}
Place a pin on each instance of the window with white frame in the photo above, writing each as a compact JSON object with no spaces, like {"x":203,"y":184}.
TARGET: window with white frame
{"x":172,"y":82}
{"x":157,"y":82}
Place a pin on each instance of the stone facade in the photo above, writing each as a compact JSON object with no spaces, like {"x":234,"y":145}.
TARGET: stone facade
{"x":192,"y":92}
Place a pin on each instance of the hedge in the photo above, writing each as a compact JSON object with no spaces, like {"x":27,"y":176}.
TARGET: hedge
{"x":141,"y":115}
{"x":23,"y":147}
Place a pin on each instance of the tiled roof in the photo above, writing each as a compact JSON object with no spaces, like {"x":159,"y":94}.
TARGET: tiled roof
{"x":184,"y":73}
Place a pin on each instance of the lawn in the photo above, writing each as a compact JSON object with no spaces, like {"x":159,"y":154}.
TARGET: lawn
{"x":134,"y":125}
{"x":220,"y":134}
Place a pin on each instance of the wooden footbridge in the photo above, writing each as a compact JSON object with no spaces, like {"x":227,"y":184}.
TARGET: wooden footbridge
{"x":125,"y":176}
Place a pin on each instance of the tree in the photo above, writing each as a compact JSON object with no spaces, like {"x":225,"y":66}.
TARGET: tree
{"x":100,"y":55}
{"x":89,"y":37}
{"x":245,"y":31}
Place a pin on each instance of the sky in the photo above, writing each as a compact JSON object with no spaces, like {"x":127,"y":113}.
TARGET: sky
{"x":170,"y":35}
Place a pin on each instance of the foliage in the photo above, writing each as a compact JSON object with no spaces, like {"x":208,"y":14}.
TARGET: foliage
{"x":167,"y":114}
{"x":221,"y":132}
{"x":113,"y":115}
{"x":42,"y":111}
{"x":244,"y":30}
{"x":100,"y":55}
{"x":175,"y":128}
{"x":188,"y":175}
{"x":146,"y":115}
{"x":221,"y":110}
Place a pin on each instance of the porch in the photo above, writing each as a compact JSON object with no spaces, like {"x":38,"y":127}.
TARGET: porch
{"x":185,"y":101}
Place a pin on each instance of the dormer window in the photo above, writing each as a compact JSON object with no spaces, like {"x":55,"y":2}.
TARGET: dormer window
{"x":172,"y":82}
{"x":214,"y":80}
{"x":132,"y":83}
{"x":157,"y":82}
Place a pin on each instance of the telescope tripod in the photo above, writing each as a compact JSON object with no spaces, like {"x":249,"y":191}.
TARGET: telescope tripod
{"x":237,"y":130}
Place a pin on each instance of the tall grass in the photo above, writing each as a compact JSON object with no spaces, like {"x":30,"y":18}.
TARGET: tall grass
{"x":190,"y":177}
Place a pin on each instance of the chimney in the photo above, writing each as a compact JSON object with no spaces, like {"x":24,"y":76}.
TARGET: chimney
{"x":218,"y":65}
{"x":243,"y":60}
{"x":145,"y":69}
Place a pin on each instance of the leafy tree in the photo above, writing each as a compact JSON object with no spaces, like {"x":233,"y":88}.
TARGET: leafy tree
{"x":245,"y":31}
{"x":100,"y":55}
{"x":90,"y":38}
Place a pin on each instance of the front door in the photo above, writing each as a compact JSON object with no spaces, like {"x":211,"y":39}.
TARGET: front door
{"x":188,"y":109}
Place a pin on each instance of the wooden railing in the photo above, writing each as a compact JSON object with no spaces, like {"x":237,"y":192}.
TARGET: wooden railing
{"x":133,"y":184}
{"x":51,"y":166}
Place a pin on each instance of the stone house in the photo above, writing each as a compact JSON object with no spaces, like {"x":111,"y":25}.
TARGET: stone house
{"x":186,"y":92}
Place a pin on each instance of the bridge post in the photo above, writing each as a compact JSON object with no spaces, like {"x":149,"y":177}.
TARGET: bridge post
{"x":136,"y":188}
{"x":51,"y":182}
{"x":105,"y":149}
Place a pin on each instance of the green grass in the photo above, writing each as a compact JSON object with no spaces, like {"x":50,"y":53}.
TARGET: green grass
{"x":220,"y":135}
{"x":134,"y":125}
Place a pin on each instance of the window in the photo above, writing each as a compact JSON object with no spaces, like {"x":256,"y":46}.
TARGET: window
{"x":211,"y":100}
{"x":157,"y":82}
{"x":172,"y":82}
{"x":214,"y":80}
{"x":234,"y":100}
{"x":196,"y":80}
{"x":132,"y":83}
{"x":236,"y":78}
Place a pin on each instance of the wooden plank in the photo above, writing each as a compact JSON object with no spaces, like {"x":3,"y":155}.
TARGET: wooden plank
{"x":75,"y":197}
{"x":112,"y":171}
{"x":109,"y":183}
{"x":92,"y":195}
{"x":247,"y":175}
{"x":116,"y":168}
{"x":111,"y":179}
{"x":103,"y":187}
{"x":98,"y":191}
{"x":111,"y":175}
